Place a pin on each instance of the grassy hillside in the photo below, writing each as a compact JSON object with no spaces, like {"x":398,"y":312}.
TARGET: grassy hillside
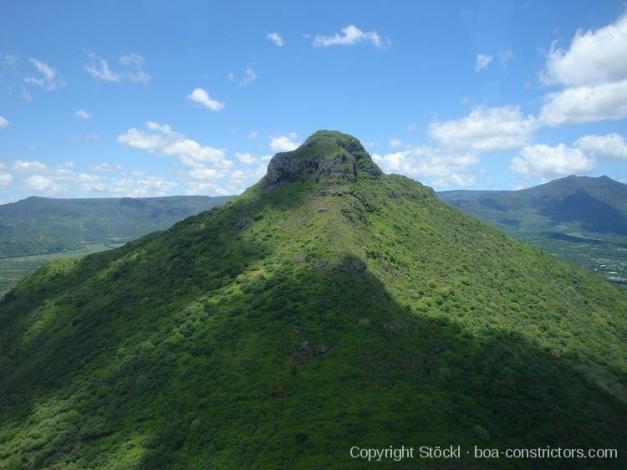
{"x":583,"y":219}
{"x":326,"y":307}
{"x":38,"y":225}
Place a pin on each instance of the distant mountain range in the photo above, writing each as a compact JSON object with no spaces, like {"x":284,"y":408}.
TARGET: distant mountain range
{"x":39,"y":225}
{"x":583,"y":219}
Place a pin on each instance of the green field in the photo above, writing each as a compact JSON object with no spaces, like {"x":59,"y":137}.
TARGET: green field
{"x":16,"y":268}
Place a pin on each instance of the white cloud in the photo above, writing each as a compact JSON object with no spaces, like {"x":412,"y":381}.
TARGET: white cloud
{"x":585,"y":104}
{"x":482,"y":61}
{"x":134,"y":65}
{"x":201,"y":97}
{"x":276,"y":39}
{"x":99,"y":68}
{"x":594,"y":71}
{"x":106,"y":179}
{"x":26,"y":166}
{"x":47,"y":76}
{"x":486,"y":129}
{"x":132,"y":68}
{"x":610,"y":146}
{"x":546,"y":161}
{"x":593,"y":58}
{"x":4,"y":122}
{"x":82,"y":114}
{"x":284,"y":143}
{"x":396,"y":142}
{"x":252,"y":135}
{"x":351,"y":35}
{"x":204,"y":165}
{"x":437,"y":167}
{"x":246,"y":158}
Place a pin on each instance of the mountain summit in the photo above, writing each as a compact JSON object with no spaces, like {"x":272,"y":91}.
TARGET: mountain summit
{"x":326,"y":156}
{"x":328,"y":306}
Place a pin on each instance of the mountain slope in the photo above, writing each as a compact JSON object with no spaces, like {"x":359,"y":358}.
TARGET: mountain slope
{"x":39,"y":225}
{"x":326,"y":307}
{"x":583,"y":219}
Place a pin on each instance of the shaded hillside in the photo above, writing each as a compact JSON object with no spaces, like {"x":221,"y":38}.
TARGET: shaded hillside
{"x":583,"y":219}
{"x":328,"y":306}
{"x":39,"y":225}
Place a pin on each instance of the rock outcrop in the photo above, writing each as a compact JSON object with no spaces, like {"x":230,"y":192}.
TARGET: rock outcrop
{"x":327,"y":156}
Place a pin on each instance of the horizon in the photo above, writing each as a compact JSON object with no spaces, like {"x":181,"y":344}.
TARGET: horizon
{"x":457,"y":97}
{"x":235,"y":195}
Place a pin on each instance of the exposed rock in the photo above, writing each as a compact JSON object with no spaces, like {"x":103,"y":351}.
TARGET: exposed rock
{"x":325,"y":157}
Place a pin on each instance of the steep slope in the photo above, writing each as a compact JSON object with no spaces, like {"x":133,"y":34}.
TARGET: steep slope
{"x":328,"y":306}
{"x":583,"y":219}
{"x":39,"y":225}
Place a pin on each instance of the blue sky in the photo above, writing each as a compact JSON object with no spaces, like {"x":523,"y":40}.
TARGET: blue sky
{"x":154,"y":98}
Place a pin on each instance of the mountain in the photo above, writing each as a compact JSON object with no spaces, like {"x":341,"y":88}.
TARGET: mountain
{"x":328,"y":306}
{"x":583,"y":219}
{"x":39,"y":225}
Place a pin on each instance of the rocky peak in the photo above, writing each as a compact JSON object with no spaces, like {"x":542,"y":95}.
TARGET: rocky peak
{"x":326,"y":156}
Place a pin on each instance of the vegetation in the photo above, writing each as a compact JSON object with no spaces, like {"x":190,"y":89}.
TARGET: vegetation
{"x":36,"y":230}
{"x":581,"y":219}
{"x":304,"y":317}
{"x":38,"y":225}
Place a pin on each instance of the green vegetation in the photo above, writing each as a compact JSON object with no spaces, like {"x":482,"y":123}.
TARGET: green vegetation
{"x":325,"y":310}
{"x":38,"y":225}
{"x":581,"y":219}
{"x":36,"y":230}
{"x":14,"y":269}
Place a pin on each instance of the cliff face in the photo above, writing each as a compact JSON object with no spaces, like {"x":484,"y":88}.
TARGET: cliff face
{"x":325,"y":157}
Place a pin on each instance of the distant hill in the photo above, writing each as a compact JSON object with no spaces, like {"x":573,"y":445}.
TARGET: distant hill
{"x":580,"y":218}
{"x":328,"y":306}
{"x":39,"y":225}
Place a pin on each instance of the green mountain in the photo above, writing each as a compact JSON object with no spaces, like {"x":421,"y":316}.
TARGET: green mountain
{"x":328,"y":306}
{"x":39,"y":225}
{"x":580,"y":218}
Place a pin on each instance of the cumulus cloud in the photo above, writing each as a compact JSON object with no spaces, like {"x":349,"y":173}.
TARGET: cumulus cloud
{"x":610,"y":146}
{"x":4,"y":122}
{"x":351,"y":35}
{"x":246,"y":158}
{"x":104,"y":180}
{"x":593,"y":70}
{"x":205,"y":167}
{"x":132,"y":68}
{"x":547,"y":161}
{"x":284,"y":143}
{"x":200,"y":96}
{"x":585,"y":104}
{"x":482,"y":61}
{"x":438,"y":167}
{"x":46,"y":76}
{"x":276,"y":39}
{"x":486,"y":129}
{"x":26,"y":166}
{"x":82,"y":114}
